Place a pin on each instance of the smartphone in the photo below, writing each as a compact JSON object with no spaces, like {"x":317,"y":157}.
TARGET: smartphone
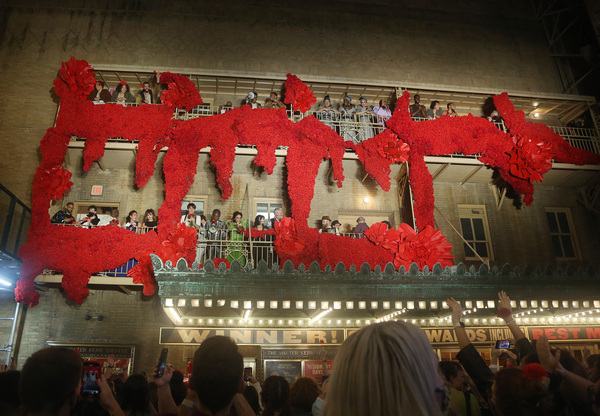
{"x":91,"y":373}
{"x":162,"y":362}
{"x":503,"y":344}
{"x":247,"y":373}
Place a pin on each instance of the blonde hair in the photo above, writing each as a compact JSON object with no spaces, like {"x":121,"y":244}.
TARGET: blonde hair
{"x":385,"y":369}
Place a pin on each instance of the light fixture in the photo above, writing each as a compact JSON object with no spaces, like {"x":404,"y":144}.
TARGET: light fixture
{"x":173,"y":314}
{"x":247,"y":313}
{"x":536,"y":115}
{"x":366,"y":200}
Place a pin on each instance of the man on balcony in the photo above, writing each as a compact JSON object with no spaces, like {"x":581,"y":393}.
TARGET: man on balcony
{"x":417,"y":110}
{"x":145,"y":95}
{"x":277,"y":216}
{"x":215,"y":233}
{"x":64,"y":217}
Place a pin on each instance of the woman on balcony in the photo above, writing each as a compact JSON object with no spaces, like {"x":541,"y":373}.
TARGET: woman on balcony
{"x":235,"y":230}
{"x":383,"y":112}
{"x":131,"y":222}
{"x":122,"y":95}
{"x":150,"y":220}
{"x":99,"y":95}
{"x":326,"y":113}
{"x":363,"y":116}
{"x":260,"y":249}
{"x":348,"y":126}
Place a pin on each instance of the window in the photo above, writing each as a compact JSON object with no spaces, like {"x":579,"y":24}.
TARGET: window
{"x":265,"y":207}
{"x":198,"y":200}
{"x":103,"y":210}
{"x":476,"y":231}
{"x":562,"y":233}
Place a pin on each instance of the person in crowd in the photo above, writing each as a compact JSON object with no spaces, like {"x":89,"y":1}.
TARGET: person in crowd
{"x":276,"y":397}
{"x":251,"y":396}
{"x":277,"y":216}
{"x":91,"y":219}
{"x":593,"y":367}
{"x":382,"y":111}
{"x":325,"y":224}
{"x":251,"y":100}
{"x":273,"y":102}
{"x":387,"y":368}
{"x":303,"y":393}
{"x":515,"y":393}
{"x":326,"y":113}
{"x":259,"y":251}
{"x":145,"y":95}
{"x":50,"y":382}
{"x":114,"y":217}
{"x":236,"y":249}
{"x":462,"y":400}
{"x":363,"y":115}
{"x":150,"y":219}
{"x":348,"y":128}
{"x":451,"y":110}
{"x":495,"y":117}
{"x":10,"y":403}
{"x":134,"y":396}
{"x":178,"y":387}
{"x":225,"y":107}
{"x":317,"y":407}
{"x":361,"y":227}
{"x":417,"y":110}
{"x":335,"y":226}
{"x":191,"y":219}
{"x":99,"y":94}
{"x":215,"y":232}
{"x":64,"y":217}
{"x":434,"y":110}
{"x":122,"y":94}
{"x":131,"y":222}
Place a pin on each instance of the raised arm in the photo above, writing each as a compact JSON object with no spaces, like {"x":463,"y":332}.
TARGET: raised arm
{"x":459,"y":329}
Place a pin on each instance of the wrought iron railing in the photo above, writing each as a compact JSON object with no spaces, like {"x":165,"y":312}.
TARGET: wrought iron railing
{"x":14,"y":222}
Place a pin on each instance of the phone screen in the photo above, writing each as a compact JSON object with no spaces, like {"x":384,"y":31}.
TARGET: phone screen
{"x":503,"y":344}
{"x":162,"y":362}
{"x":247,"y":373}
{"x":91,"y":373}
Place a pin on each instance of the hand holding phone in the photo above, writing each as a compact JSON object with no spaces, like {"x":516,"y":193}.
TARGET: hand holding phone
{"x":89,"y":380}
{"x":162,"y":362}
{"x":503,"y":344}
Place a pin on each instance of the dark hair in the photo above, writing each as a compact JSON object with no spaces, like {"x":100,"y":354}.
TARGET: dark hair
{"x":134,"y":395}
{"x":258,"y":219}
{"x":216,"y":211}
{"x":515,"y":395}
{"x":335,"y":222}
{"x":9,"y":393}
{"x":303,"y":393}
{"x":100,"y":82}
{"x":235,"y":214}
{"x":37,"y":392}
{"x":448,"y":105}
{"x":416,"y":95}
{"x":128,"y":219}
{"x":387,"y":223}
{"x":178,"y":388}
{"x":191,"y":204}
{"x":146,"y":82}
{"x":381,"y":101}
{"x":150,"y":211}
{"x":217,"y":372}
{"x":433,"y":103}
{"x":450,"y":369}
{"x":69,"y":203}
{"x":276,"y":396}
{"x":120,"y":86}
{"x":203,"y":217}
{"x":93,"y":206}
{"x":273,"y":92}
{"x":326,"y":98}
{"x":251,"y":396}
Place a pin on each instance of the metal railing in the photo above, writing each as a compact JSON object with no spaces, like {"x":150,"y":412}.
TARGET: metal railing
{"x":14,"y":222}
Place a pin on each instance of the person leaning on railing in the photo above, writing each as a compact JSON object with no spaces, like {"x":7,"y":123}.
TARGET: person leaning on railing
{"x":122,"y":95}
{"x":363,"y":116}
{"x":150,"y":221}
{"x":347,"y":110}
{"x":326,"y":113}
{"x":99,"y":94}
{"x":417,"y":110}
{"x":65,"y":216}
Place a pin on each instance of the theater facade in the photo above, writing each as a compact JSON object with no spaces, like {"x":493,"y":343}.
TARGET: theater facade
{"x":466,"y":226}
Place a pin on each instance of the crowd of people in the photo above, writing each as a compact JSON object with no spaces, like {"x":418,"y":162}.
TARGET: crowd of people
{"x":93,"y":218}
{"x":387,"y":368}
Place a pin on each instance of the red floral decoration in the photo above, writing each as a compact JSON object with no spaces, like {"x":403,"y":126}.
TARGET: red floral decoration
{"x":534,"y":371}
{"x":521,"y":156}
{"x":182,"y":92}
{"x":76,"y":79}
{"x":298,"y":94}
{"x":218,"y":260}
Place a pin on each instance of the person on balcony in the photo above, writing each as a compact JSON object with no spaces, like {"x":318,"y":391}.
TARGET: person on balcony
{"x":451,"y":111}
{"x":131,"y":222}
{"x":348,"y":127}
{"x":335,"y":227}
{"x":235,"y":228}
{"x":122,"y":95}
{"x":251,"y":100}
{"x":191,"y":219}
{"x":91,"y":220}
{"x":259,"y":251}
{"x":145,"y":95}
{"x":417,"y":110}
{"x":360,"y":228}
{"x":277,"y":216}
{"x":326,"y":225}
{"x":64,"y":217}
{"x":114,"y":214}
{"x":273,"y":102}
{"x":383,"y":112}
{"x":215,"y":233}
{"x":226,"y":107}
{"x":99,"y":95}
{"x":150,"y":221}
{"x":434,"y":110}
{"x":326,"y":113}
{"x":363,"y":116}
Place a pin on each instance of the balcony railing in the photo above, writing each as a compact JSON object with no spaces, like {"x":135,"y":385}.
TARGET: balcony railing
{"x":360,"y":127}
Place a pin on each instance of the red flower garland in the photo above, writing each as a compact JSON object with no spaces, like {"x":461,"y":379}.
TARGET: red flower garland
{"x":298,"y":94}
{"x":525,"y":150}
{"x":534,"y":371}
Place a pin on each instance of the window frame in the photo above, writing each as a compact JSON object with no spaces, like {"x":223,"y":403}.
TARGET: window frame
{"x":268,"y":201}
{"x":196,"y":198}
{"x":572,"y":234}
{"x":466,"y":211}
